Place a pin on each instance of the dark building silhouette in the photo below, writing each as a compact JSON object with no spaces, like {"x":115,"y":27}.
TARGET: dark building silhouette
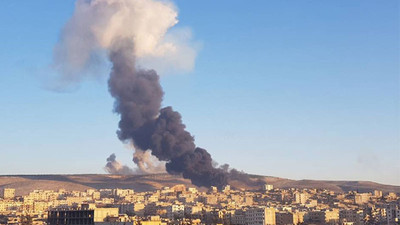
{"x":70,"y":217}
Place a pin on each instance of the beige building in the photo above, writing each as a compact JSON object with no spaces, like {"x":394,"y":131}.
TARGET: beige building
{"x":154,"y":220}
{"x":260,"y":216}
{"x":8,"y":193}
{"x":138,"y":208}
{"x":298,"y":217}
{"x":391,"y":196}
{"x":378,"y":194}
{"x":311,"y":203}
{"x":301,"y":198}
{"x":268,"y":187}
{"x":100,"y":214}
{"x":362,"y":198}
{"x":40,"y":207}
{"x":5,"y":205}
{"x":322,"y":217}
{"x":193,"y":210}
{"x":332,"y":216}
{"x":248,"y":200}
{"x":192,"y":190}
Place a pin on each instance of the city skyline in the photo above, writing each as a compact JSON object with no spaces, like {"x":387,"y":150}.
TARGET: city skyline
{"x":293,"y":90}
{"x":267,"y":205}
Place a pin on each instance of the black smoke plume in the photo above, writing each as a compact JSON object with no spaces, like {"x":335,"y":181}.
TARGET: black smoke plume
{"x":138,"y":96}
{"x":95,"y":27}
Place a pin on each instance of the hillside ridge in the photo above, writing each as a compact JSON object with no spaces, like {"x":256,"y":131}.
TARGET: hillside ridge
{"x":27,"y":183}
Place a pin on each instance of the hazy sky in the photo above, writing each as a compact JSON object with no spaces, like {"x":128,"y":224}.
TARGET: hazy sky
{"x":295,"y":89}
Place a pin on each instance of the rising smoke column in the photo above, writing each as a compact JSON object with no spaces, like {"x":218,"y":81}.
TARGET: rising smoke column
{"x":138,"y":95}
{"x":134,"y":34}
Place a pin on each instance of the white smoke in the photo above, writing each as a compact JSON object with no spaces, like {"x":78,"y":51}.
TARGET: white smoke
{"x":145,"y":162}
{"x":148,"y":163}
{"x":96,"y":24}
{"x":115,"y":167}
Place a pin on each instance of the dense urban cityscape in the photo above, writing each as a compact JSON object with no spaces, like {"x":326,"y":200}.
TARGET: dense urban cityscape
{"x":220,"y":112}
{"x":187,"y":205}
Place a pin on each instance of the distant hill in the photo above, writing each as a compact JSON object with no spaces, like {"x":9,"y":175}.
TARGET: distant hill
{"x":26,"y":183}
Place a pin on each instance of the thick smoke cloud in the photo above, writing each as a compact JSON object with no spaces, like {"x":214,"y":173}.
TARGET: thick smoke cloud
{"x":96,"y":24}
{"x":138,"y":97}
{"x":135,"y":35}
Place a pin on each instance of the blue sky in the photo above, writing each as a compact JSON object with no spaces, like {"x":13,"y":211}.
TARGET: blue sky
{"x":295,"y":89}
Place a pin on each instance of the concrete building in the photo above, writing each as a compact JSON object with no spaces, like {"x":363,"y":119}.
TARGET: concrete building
{"x":268,"y":187}
{"x":238,"y":217}
{"x":378,"y":194}
{"x":391,"y":196}
{"x":332,"y":216}
{"x":284,"y":218}
{"x":122,"y":192}
{"x":193,"y":210}
{"x":7,"y":193}
{"x":301,"y":198}
{"x":354,"y":216}
{"x":138,"y":208}
{"x":125,"y":208}
{"x":362,"y":198}
{"x":154,"y":220}
{"x":393,"y":213}
{"x":175,"y":211}
{"x":226,"y":189}
{"x":311,"y":203}
{"x":100,"y":214}
{"x":315,"y":217}
{"x":70,"y":217}
{"x":192,"y":190}
{"x":248,"y":200}
{"x":260,"y":216}
{"x":298,"y":217}
{"x":322,"y":217}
